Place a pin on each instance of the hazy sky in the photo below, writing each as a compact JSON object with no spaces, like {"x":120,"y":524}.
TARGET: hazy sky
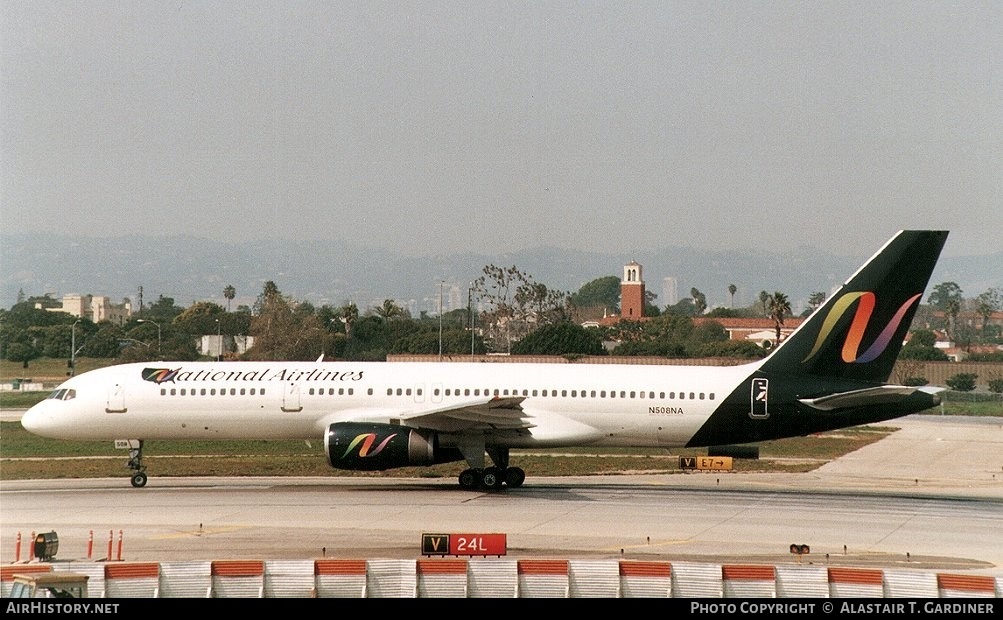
{"x":429,"y":127}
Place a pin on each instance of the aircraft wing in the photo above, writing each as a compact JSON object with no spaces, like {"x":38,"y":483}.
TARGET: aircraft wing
{"x":489,"y":413}
{"x":881,"y":395}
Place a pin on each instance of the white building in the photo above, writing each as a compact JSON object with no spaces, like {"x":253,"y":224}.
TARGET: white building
{"x":96,"y":308}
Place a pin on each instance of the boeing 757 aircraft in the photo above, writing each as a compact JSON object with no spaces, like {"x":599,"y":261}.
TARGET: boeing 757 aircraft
{"x":831,"y":373}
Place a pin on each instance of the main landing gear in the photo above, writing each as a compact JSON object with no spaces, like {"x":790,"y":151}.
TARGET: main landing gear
{"x":492,"y":478}
{"x":136,"y":463}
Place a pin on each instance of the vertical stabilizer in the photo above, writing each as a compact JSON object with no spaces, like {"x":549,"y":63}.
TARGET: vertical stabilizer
{"x":858,"y":333}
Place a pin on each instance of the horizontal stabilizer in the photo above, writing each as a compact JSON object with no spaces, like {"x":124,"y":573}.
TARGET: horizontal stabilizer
{"x":881,"y":395}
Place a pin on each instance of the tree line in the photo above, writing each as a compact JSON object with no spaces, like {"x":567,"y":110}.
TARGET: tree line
{"x":510,"y":313}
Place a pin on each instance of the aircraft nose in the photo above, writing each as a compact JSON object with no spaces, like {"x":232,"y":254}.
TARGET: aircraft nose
{"x":37,"y":419}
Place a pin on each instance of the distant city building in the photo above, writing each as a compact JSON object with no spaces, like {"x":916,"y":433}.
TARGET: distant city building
{"x":95,"y":308}
{"x":670,"y":291}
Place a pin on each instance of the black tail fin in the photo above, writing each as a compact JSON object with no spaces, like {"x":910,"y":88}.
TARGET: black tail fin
{"x":858,"y":333}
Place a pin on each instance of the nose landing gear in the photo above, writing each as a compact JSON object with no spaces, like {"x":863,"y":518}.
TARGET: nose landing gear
{"x":139,"y":477}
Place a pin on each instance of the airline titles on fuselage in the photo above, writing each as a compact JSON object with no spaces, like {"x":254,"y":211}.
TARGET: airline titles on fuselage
{"x":163,"y":375}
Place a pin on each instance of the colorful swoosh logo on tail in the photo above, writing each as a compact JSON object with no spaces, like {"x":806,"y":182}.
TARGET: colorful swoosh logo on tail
{"x":856,"y":332}
{"x":160,"y":375}
{"x":367,"y":440}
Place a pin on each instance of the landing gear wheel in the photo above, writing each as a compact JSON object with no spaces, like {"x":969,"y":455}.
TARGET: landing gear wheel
{"x":138,"y":478}
{"x":470,"y":479}
{"x":515,"y":476}
{"x":493,"y":479}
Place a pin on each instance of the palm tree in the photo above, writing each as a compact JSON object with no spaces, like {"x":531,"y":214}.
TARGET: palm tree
{"x":349,"y":313}
{"x":732,"y":289}
{"x":779,"y":305}
{"x":389,"y":310}
{"x":763,"y":298}
{"x":229,"y":293}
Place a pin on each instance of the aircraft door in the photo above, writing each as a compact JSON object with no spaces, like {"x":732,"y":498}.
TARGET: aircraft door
{"x":116,"y":399}
{"x":291,"y":398}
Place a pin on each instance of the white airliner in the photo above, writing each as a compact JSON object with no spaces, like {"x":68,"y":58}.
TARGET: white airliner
{"x":830,"y":373}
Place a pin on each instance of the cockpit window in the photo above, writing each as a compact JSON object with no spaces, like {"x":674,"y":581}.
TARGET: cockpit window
{"x":63,"y":394}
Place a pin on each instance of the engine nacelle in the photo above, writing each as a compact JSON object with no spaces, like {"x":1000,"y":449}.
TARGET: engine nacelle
{"x":369,"y":447}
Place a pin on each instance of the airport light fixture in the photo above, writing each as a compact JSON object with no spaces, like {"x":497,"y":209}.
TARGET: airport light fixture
{"x":470,"y":316}
{"x":73,"y":348}
{"x":440,"y":319}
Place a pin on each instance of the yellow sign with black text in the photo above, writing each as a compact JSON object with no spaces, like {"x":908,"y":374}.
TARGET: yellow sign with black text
{"x":706,"y":463}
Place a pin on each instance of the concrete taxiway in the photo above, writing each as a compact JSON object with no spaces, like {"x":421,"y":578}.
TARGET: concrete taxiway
{"x":929,"y":496}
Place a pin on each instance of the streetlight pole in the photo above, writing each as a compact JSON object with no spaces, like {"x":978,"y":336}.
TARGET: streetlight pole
{"x":440,"y":319}
{"x":219,"y":341}
{"x":158,"y":332}
{"x":470,"y":317}
{"x":73,"y":348}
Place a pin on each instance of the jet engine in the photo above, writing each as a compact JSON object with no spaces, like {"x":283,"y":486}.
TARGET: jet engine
{"x":370,"y":447}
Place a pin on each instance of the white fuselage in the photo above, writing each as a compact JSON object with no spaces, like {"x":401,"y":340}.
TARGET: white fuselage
{"x":564,"y":404}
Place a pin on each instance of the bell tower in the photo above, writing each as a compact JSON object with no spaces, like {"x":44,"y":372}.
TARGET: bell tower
{"x":632,"y":292}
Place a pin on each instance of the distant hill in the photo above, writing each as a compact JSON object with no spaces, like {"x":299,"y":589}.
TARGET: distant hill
{"x":191,"y":269}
